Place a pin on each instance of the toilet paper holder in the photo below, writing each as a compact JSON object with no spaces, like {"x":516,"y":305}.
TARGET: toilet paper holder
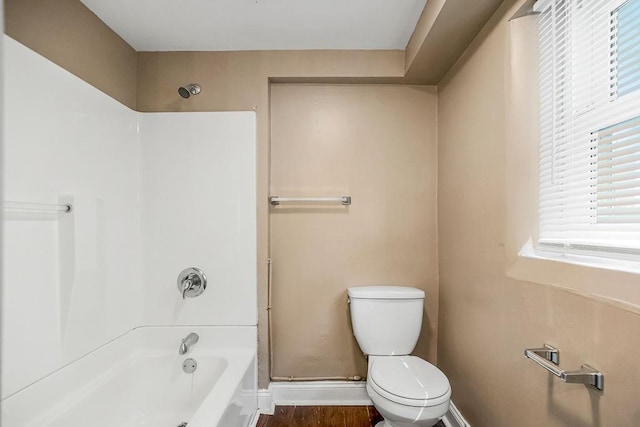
{"x":549,"y":358}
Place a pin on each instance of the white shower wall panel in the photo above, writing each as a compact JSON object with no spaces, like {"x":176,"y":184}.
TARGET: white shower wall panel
{"x":199,"y":210}
{"x":70,"y":282}
{"x":152,"y":194}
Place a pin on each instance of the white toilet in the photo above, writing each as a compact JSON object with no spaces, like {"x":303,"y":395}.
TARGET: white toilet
{"x":406,"y":390}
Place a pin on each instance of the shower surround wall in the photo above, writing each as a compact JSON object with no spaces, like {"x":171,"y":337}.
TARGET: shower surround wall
{"x":179,"y":186}
{"x":70,"y":284}
{"x":199,"y":210}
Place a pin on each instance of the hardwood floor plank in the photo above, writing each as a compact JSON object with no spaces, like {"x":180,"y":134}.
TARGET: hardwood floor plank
{"x":358,"y":416}
{"x":332,"y":415}
{"x":283,"y":417}
{"x":263,"y":420}
{"x":307,"y":416}
{"x":323,"y":416}
{"x":374,"y":416}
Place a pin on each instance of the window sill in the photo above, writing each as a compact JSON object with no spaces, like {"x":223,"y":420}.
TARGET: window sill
{"x":628,"y":266}
{"x":612,"y":280}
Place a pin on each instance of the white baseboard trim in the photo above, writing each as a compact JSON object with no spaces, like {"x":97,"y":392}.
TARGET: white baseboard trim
{"x":266,"y":404}
{"x":330,"y":393}
{"x":454,"y":418}
{"x":312,"y":393}
{"x":320,"y":393}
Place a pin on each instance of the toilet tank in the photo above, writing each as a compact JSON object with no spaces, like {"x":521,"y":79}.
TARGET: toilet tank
{"x":386,"y":320}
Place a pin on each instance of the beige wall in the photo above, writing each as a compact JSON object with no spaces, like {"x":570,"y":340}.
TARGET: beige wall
{"x":69,"y":34}
{"x":487,"y":319}
{"x":377,"y":144}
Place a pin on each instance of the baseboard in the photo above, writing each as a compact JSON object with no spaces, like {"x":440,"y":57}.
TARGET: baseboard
{"x":313,"y":393}
{"x":330,"y":393}
{"x":266,"y":404}
{"x":454,"y":418}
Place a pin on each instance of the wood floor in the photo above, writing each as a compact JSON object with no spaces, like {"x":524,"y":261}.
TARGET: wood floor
{"x":324,"y":416}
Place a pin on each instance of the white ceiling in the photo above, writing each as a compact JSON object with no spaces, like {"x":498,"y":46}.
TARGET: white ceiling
{"x":168,"y":25}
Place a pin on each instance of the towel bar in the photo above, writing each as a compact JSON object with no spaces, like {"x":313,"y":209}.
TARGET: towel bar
{"x":276,"y":200}
{"x":548,"y":357}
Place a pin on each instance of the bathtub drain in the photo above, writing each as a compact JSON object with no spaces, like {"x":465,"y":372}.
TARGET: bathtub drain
{"x":182,"y":424}
{"x":189,"y":366}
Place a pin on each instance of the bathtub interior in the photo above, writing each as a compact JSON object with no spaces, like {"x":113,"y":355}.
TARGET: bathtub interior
{"x":138,"y":380}
{"x":149,"y":390}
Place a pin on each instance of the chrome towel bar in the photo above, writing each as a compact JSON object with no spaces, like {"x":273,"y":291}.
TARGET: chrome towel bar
{"x":549,"y":357}
{"x":276,"y":200}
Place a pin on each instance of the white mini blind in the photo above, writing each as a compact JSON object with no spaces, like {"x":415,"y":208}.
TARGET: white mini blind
{"x":590,"y":126}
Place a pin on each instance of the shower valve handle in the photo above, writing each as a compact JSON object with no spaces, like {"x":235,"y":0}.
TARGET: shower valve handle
{"x":186,"y":285}
{"x":191,"y":282}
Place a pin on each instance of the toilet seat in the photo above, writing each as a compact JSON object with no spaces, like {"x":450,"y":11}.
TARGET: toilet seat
{"x":408,"y":380}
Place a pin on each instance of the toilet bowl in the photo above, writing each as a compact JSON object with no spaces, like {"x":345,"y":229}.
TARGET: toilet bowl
{"x":406,"y":390}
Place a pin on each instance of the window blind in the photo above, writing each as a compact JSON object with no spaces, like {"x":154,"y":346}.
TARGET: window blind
{"x":589,"y":200}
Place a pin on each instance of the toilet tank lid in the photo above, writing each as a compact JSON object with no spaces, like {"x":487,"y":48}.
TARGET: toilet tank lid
{"x":385,"y":292}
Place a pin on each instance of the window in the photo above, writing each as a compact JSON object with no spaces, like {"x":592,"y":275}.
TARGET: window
{"x":590,"y":127}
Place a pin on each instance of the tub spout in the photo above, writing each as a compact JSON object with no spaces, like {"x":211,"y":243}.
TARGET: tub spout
{"x":187,"y":342}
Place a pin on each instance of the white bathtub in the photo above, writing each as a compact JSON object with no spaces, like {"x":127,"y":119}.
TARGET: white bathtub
{"x":138,"y":380}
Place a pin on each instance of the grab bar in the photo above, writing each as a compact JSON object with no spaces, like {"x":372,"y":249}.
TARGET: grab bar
{"x":549,"y":357}
{"x":276,"y":200}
